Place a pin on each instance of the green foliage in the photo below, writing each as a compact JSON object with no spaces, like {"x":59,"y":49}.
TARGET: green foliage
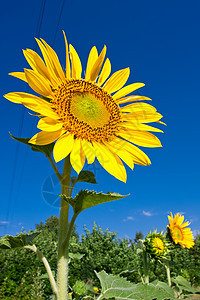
{"x":19,"y":241}
{"x":119,"y":288}
{"x":96,"y":250}
{"x":103,"y":251}
{"x":80,"y":288}
{"x":184,"y":286}
{"x":45,"y":149}
{"x":86,"y":176}
{"x":138,"y":236}
{"x":86,"y":199}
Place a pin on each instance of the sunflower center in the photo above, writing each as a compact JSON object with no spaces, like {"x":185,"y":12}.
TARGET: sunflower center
{"x":178,"y":233}
{"x":86,"y":110}
{"x":89,"y":109}
{"x":158,"y":244}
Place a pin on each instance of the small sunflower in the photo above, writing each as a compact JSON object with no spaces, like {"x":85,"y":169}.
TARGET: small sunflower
{"x":156,"y":245}
{"x":87,"y":117}
{"x":178,"y":231}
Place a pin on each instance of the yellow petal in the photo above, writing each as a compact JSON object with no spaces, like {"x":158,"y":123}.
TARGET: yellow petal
{"x":139,"y":126}
{"x":97,"y":65}
{"x":134,"y":107}
{"x":110,"y":161}
{"x":68,"y":69}
{"x":38,"y":83}
{"x":48,"y":124}
{"x":36,"y":63}
{"x":123,"y":154}
{"x":141,"y":138}
{"x":88,"y":149}
{"x":63,"y":146}
{"x":160,"y":122}
{"x":117,"y":81}
{"x":76,"y":63}
{"x":57,"y":67}
{"x":139,"y":157}
{"x":131,"y":99}
{"x":90,"y":63}
{"x":19,"y":97}
{"x":105,"y":72}
{"x":43,"y":111}
{"x":127,"y":90}
{"x":32,"y":102}
{"x":20,"y":75}
{"x":13,"y":98}
{"x":77,"y":156}
{"x":142,"y":117}
{"x":49,"y":63}
{"x":45,"y":138}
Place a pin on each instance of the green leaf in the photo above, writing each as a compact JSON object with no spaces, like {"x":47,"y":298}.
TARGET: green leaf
{"x":19,"y":241}
{"x":163,"y":287}
{"x":119,"y":288}
{"x":86,"y":176}
{"x":46,"y":149}
{"x":139,"y":250}
{"x":184,"y":285}
{"x":76,"y":255}
{"x":86,"y":199}
{"x":45,"y":276}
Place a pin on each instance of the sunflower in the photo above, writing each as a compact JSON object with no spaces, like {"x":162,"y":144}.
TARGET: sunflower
{"x":156,"y":245}
{"x":178,"y":231}
{"x":87,"y":118}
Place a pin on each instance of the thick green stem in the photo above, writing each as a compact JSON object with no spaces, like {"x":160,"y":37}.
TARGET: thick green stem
{"x":62,"y":271}
{"x":66,"y":241}
{"x":46,"y":264}
{"x":168,"y":273}
{"x":146,"y":268}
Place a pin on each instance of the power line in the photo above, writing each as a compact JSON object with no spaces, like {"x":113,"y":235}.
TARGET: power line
{"x":40,"y":19}
{"x":23,"y":112}
{"x":59,"y":18}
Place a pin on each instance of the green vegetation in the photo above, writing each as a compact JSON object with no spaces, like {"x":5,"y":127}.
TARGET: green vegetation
{"x":23,"y":275}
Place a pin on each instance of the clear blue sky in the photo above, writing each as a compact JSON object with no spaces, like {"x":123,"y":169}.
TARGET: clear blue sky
{"x":159,"y":41}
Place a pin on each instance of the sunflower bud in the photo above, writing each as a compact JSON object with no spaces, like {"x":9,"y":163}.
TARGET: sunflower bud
{"x":156,"y":245}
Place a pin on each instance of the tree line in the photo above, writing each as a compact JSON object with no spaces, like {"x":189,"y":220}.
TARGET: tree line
{"x":22,"y":274}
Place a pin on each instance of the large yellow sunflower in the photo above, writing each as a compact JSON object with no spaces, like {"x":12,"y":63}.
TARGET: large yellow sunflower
{"x":178,"y":231}
{"x":87,"y":117}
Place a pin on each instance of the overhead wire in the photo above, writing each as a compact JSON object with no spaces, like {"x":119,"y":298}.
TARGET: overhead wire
{"x":59,"y":18}
{"x":10,"y":204}
{"x":33,"y":123}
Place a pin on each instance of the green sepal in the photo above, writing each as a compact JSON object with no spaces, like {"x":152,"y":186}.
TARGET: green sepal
{"x":86,"y":199}
{"x":116,"y":287}
{"x":19,"y":241}
{"x":46,"y":149}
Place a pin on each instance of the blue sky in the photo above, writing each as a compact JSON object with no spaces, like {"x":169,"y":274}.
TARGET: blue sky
{"x":159,"y":41}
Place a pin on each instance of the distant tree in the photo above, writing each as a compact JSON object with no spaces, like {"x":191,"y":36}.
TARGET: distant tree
{"x":51,"y":224}
{"x":103,"y":251}
{"x":138,"y":236}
